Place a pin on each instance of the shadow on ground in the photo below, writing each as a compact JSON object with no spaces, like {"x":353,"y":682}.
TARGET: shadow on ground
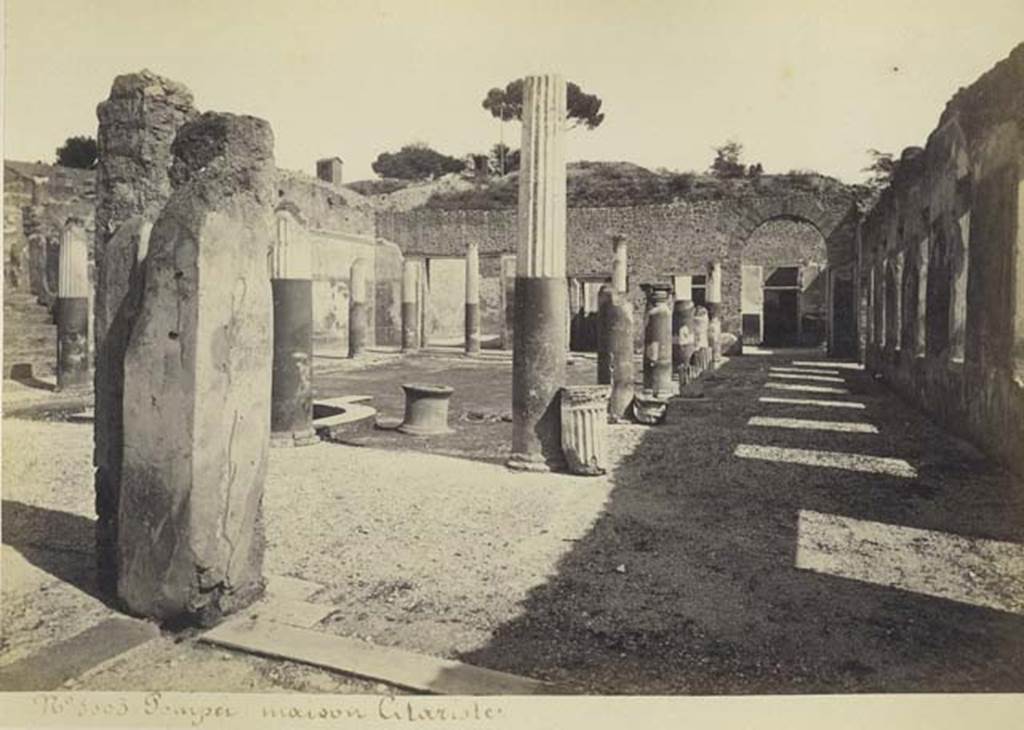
{"x":60,"y":543}
{"x":687,"y":582}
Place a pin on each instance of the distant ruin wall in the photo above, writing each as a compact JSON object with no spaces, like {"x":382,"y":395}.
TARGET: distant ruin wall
{"x":943,"y":267}
{"x":681,"y":238}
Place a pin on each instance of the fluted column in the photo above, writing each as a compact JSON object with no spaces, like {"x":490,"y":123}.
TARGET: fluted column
{"x":472,"y":299}
{"x":714,"y":302}
{"x":541,"y":306}
{"x":358,"y":314}
{"x":73,"y":308}
{"x":410,"y":310}
{"x":508,"y":298}
{"x":291,"y":281}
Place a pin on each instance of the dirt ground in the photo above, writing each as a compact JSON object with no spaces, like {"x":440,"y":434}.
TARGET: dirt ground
{"x":674,"y":573}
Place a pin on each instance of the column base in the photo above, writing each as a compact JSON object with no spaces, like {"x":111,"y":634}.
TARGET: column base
{"x":288,"y":439}
{"x":526,"y":463}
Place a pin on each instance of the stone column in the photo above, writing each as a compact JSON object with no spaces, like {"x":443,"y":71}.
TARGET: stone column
{"x":604,"y":352}
{"x":137,"y":124}
{"x":683,"y":341}
{"x":714,"y":302}
{"x":618,"y":327}
{"x":539,"y":355}
{"x":473,"y":299}
{"x":702,"y":351}
{"x":410,"y":311}
{"x":73,"y":308}
{"x":620,"y":268}
{"x":658,"y":341}
{"x":508,"y":298}
{"x":198,"y":381}
{"x":358,"y":312}
{"x":291,"y":281}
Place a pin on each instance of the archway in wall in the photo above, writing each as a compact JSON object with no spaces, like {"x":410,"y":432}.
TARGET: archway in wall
{"x":783,"y":292}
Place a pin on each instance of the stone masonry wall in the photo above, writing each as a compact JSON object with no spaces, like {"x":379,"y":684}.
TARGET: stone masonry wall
{"x":663,"y":239}
{"x":943,"y":262}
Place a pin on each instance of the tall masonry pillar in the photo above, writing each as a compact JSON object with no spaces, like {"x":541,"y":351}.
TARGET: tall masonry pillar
{"x":541,"y":305}
{"x":714,"y":302}
{"x":473,"y":299}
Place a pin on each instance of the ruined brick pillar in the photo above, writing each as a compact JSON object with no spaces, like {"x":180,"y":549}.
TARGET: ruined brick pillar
{"x":73,"y":308}
{"x":291,"y":281}
{"x":358,"y":312}
{"x":197,"y":382}
{"x":714,"y":302}
{"x":410,"y":311}
{"x":541,"y":306}
{"x":137,"y":124}
{"x":473,"y":299}
{"x":683,"y":341}
{"x":702,"y":351}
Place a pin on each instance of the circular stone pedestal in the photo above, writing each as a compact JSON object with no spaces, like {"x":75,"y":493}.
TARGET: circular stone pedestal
{"x":426,"y":409}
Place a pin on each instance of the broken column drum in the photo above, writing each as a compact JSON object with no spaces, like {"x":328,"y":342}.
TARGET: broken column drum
{"x":714,"y":302}
{"x":426,"y":409}
{"x":73,"y":308}
{"x":291,"y":280}
{"x":658,"y":341}
{"x":358,"y":312}
{"x":410,"y":310}
{"x":472,"y":299}
{"x":604,"y":355}
{"x":584,"y":413}
{"x":683,"y":340}
{"x":197,"y":382}
{"x":541,"y":303}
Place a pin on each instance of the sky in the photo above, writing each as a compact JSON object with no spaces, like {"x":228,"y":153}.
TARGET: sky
{"x":802,"y":84}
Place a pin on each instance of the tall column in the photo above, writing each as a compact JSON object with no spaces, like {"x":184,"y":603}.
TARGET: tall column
{"x":714,"y":302}
{"x":137,"y":124}
{"x":410,"y":310}
{"x":291,"y":280}
{"x":658,"y":341}
{"x":619,"y":263}
{"x":702,"y":351}
{"x":508,"y":298}
{"x":683,"y":341}
{"x":604,"y":350}
{"x":539,"y":355}
{"x":473,"y":299}
{"x":358,"y":312}
{"x":197,"y":383}
{"x":73,"y":308}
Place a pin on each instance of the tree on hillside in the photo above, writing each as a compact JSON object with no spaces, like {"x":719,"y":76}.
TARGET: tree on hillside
{"x":882,"y":168}
{"x":503,"y":159}
{"x":727,"y":162}
{"x":416,"y":162}
{"x":80,"y":152}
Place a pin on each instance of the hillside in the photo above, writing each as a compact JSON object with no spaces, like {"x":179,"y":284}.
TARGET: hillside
{"x":590,"y":184}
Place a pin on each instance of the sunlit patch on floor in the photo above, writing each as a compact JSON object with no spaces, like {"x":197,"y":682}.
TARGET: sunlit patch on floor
{"x":806,"y":376}
{"x":807,"y":388}
{"x":811,"y":425}
{"x":808,"y":371}
{"x":831,"y":459}
{"x":812,"y":402}
{"x":828,"y":363}
{"x":987,"y":573}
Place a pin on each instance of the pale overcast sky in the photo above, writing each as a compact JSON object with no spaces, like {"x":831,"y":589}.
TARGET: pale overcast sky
{"x":801,"y":83}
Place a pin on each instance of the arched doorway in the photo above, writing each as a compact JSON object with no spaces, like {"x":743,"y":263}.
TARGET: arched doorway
{"x":783,"y":289}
